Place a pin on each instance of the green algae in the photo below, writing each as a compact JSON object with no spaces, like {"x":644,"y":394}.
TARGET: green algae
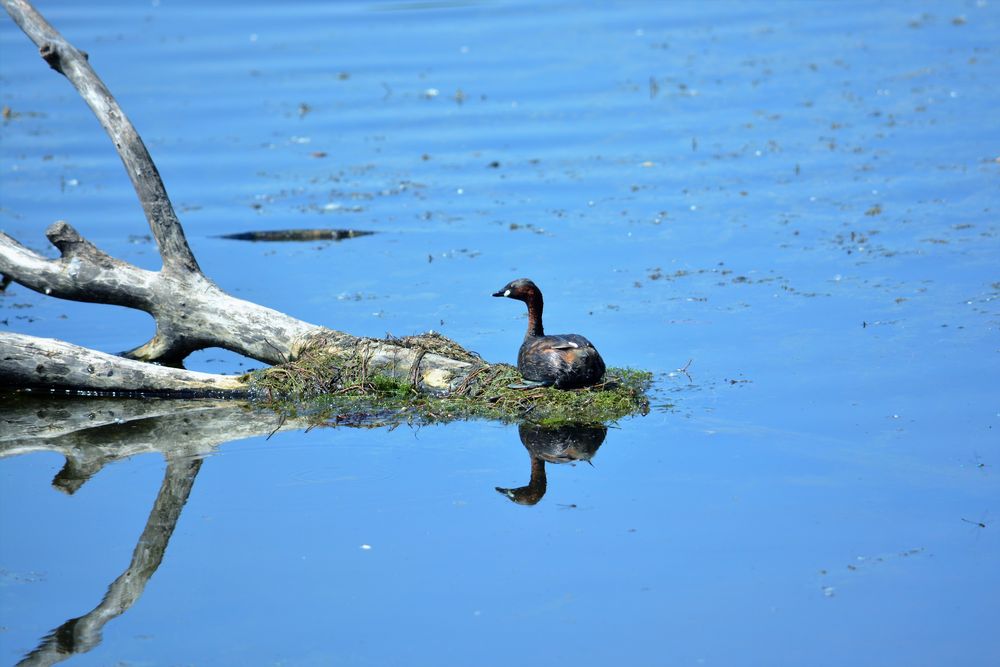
{"x":327,"y":391}
{"x":345,"y":385}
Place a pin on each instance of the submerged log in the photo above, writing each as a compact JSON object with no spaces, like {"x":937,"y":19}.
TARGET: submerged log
{"x":298,"y":235}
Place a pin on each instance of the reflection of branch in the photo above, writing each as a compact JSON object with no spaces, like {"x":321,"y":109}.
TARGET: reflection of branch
{"x":92,"y":433}
{"x":79,"y":635}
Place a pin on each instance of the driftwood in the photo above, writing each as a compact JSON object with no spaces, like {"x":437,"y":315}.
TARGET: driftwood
{"x":190,"y":310}
{"x":298,"y":235}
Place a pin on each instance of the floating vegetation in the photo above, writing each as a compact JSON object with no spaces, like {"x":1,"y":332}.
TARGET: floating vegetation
{"x":345,"y":388}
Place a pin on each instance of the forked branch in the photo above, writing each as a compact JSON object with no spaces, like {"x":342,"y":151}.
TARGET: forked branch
{"x":73,"y":63}
{"x":190,"y":310}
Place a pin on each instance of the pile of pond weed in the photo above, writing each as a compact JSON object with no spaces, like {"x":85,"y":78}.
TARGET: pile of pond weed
{"x":342,"y":388}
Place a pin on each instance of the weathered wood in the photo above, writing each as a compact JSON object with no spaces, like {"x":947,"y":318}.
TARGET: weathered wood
{"x":28,"y":361}
{"x":191,"y":311}
{"x":283,"y":235}
{"x":74,"y":65}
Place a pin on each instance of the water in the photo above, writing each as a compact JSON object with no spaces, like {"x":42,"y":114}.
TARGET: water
{"x":799,"y":199}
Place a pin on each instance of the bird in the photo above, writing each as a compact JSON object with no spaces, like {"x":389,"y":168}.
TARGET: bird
{"x":565,"y":361}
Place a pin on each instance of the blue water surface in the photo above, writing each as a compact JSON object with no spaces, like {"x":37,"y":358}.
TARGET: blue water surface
{"x":799,"y":199}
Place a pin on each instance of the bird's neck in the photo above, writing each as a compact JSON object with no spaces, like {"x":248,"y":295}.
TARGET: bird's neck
{"x":535,"y":316}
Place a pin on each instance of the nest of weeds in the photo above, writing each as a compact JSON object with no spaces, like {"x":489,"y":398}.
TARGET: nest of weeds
{"x":340,"y":386}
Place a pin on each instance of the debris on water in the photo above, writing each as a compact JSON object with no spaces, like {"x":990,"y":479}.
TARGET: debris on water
{"x":366,"y":547}
{"x":829,"y":591}
{"x":514,"y":226}
{"x":298,"y":235}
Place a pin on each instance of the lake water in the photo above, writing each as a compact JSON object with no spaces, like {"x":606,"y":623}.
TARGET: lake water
{"x":800,"y":199}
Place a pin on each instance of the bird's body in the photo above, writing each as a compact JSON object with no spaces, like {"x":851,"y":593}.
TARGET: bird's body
{"x":563,"y":360}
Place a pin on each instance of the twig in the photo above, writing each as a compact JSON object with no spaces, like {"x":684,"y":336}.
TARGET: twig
{"x":276,"y":428}
{"x":415,"y":368}
{"x":684,"y":369}
{"x":277,"y":349}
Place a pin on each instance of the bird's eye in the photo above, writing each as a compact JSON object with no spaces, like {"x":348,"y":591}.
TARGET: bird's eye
{"x":506,"y":292}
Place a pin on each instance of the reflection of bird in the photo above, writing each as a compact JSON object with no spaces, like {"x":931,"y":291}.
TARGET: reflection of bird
{"x":533,"y":492}
{"x":563,"y":360}
{"x":559,"y":444}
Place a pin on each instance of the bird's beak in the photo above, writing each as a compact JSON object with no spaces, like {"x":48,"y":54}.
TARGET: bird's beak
{"x":500,"y":293}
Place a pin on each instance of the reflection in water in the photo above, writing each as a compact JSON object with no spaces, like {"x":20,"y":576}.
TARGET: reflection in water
{"x":79,"y":635}
{"x":558,"y":444}
{"x":92,"y":433}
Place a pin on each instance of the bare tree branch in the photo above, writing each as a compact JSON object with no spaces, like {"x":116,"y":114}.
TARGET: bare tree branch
{"x":190,"y":310}
{"x":73,"y":64}
{"x":28,"y":361}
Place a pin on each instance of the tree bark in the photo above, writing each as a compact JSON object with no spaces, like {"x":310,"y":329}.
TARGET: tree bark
{"x":31,"y":362}
{"x":191,"y":311}
{"x":72,"y":63}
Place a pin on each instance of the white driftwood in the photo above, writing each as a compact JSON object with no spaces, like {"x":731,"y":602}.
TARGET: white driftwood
{"x":191,"y":311}
{"x":28,"y":361}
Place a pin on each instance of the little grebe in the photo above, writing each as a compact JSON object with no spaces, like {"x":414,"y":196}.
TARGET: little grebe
{"x":564,"y":360}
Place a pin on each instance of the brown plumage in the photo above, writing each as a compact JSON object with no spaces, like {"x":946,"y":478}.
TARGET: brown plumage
{"x":563,"y":360}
